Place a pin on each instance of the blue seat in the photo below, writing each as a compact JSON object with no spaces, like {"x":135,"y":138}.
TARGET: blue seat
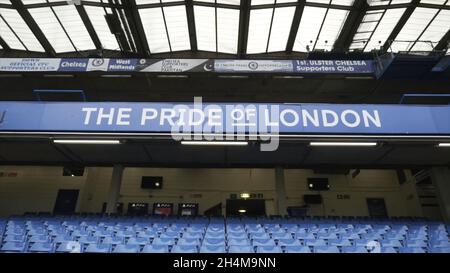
{"x":388,"y":250}
{"x":69,"y":247}
{"x":39,"y":239}
{"x":412,"y":250}
{"x":354,"y":249}
{"x":416,"y":243}
{"x":97,"y":248}
{"x":212,"y":249}
{"x":268,"y":249}
{"x":188,"y":241}
{"x":184,"y":249}
{"x":439,"y":250}
{"x":326,"y":249}
{"x":289,"y":242}
{"x":62,"y":238}
{"x":263,"y":242}
{"x":391,"y":243}
{"x":259,"y":236}
{"x":362,"y":242}
{"x":41,"y":247}
{"x":214,"y":241}
{"x":193,"y":235}
{"x":37,"y":232}
{"x":13,"y":247}
{"x":126,"y":233}
{"x":239,"y":242}
{"x":80,"y":233}
{"x":128,"y":248}
{"x":305,"y":236}
{"x":439,"y":243}
{"x":240,"y":249}
{"x":113,"y":240}
{"x":279,"y":236}
{"x":87,"y":240}
{"x":169,"y":234}
{"x":351,"y":236}
{"x":147,"y":234}
{"x":138,"y":241}
{"x":340,"y":242}
{"x":155,"y":249}
{"x":237,"y":235}
{"x":14,"y":238}
{"x":327,"y":236}
{"x":316,"y":242}
{"x":215,"y":235}
{"x":163,"y":241}
{"x":297,"y":249}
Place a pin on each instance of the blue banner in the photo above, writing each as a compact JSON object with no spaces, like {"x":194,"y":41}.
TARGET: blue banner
{"x":128,"y":117}
{"x":187,"y":65}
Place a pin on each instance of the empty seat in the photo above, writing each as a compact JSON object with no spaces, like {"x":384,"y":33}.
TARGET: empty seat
{"x":440,"y":243}
{"x":391,"y":243}
{"x":184,"y":249}
{"x":62,"y":238}
{"x":284,"y":235}
{"x":138,"y":241}
{"x":128,"y":248}
{"x":326,"y":249}
{"x":216,"y":235}
{"x":439,"y":250}
{"x":416,"y":243}
{"x":259,"y":236}
{"x":263,"y":242}
{"x":237,"y":235}
{"x":38,"y":239}
{"x":305,"y":236}
{"x":297,"y":249}
{"x":412,"y":250}
{"x":289,"y":242}
{"x":240,"y":249}
{"x":339,"y":242}
{"x":214,"y":241}
{"x":88,"y":240}
{"x":317,"y":242}
{"x":69,"y":247}
{"x":41,"y":247}
{"x":188,"y":241}
{"x":13,"y":247}
{"x":14,"y":238}
{"x":155,"y":249}
{"x":327,"y":236}
{"x":388,"y":250}
{"x":193,"y":235}
{"x":212,"y":249}
{"x":354,"y":249}
{"x":97,"y":248}
{"x":163,"y":241}
{"x":268,"y":249}
{"x":113,"y":240}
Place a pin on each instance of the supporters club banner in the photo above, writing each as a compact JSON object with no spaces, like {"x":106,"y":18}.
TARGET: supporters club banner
{"x":186,"y":65}
{"x":224,"y":118}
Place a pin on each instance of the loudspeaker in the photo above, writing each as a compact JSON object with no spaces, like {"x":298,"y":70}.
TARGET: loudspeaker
{"x":318,"y":184}
{"x":152,"y":182}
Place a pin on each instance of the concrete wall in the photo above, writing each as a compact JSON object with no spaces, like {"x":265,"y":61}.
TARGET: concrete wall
{"x":35,"y":189}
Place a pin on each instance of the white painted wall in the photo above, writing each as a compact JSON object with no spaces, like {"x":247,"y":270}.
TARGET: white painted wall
{"x":35,"y":189}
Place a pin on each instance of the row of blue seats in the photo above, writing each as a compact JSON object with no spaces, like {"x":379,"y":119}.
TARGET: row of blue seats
{"x":223,"y":241}
{"x":133,"y":248}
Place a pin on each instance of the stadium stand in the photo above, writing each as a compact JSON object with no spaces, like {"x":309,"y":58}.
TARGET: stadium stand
{"x":95,"y":234}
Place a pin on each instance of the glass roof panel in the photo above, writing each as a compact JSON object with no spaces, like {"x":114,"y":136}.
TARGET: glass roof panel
{"x":227,"y":30}
{"x":13,"y":20}
{"x":155,"y":30}
{"x":259,"y":28}
{"x":205,"y":26}
{"x":413,"y":28}
{"x":281,"y":27}
{"x":177,"y":27}
{"x":97,"y":17}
